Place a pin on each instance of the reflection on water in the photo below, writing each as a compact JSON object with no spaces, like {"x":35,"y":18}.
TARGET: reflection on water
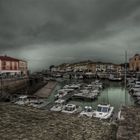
{"x":113,"y":94}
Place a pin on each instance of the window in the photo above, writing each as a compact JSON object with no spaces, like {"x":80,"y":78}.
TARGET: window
{"x":3,"y":63}
{"x":99,"y":109}
{"x":104,"y":109}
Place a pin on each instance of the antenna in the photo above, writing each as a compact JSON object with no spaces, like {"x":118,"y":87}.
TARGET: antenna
{"x":125,"y":77}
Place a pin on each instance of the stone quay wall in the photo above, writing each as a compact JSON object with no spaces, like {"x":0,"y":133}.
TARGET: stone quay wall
{"x":26,"y":123}
{"x":129,"y":126}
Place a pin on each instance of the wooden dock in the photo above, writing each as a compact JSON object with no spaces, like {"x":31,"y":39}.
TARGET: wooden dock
{"x":83,"y":97}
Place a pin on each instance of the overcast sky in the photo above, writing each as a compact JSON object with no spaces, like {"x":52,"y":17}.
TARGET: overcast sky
{"x":46,"y":32}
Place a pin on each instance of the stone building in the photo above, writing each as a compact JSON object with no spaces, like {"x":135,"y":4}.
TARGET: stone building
{"x":12,"y":66}
{"x":23,"y":68}
{"x":134,"y":63}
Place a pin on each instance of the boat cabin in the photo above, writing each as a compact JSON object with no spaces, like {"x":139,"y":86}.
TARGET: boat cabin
{"x":103,"y":108}
{"x":60,"y":102}
{"x":58,"y":105}
{"x":88,"y":109}
{"x":70,"y":107}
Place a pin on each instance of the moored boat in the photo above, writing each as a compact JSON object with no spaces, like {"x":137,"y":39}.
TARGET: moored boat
{"x":58,"y":105}
{"x":88,"y":111}
{"x":103,"y":111}
{"x":71,"y":108}
{"x":22,"y":100}
{"x":61,"y":93}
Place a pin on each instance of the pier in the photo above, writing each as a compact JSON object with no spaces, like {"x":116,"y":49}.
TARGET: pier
{"x":46,"y":90}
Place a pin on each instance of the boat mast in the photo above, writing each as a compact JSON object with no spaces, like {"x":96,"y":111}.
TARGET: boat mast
{"x":125,"y":68}
{"x":125,"y":76}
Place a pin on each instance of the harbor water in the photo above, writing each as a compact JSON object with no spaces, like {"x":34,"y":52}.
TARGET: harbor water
{"x":113,"y":93}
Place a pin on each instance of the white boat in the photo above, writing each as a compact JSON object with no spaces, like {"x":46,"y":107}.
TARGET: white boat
{"x":58,"y":105}
{"x":26,"y":100}
{"x":38,"y":104}
{"x":84,"y":91}
{"x":136,"y":94}
{"x":70,"y":109}
{"x":103,"y":111}
{"x":90,"y":85}
{"x":134,"y":89}
{"x":68,"y":90}
{"x":130,"y":85}
{"x":95,"y":91}
{"x":61,"y":93}
{"x":88,"y":111}
{"x":22,"y":100}
{"x":97,"y":84}
{"x":73,"y":86}
{"x":81,"y":77}
{"x":58,"y":75}
{"x":114,"y":77}
{"x":66,"y":76}
{"x":137,"y":84}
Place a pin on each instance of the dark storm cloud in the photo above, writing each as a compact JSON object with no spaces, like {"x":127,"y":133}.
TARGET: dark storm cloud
{"x":93,"y":27}
{"x":75,"y":21}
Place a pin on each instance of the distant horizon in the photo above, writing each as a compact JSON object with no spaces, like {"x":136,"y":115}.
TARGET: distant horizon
{"x":68,"y":62}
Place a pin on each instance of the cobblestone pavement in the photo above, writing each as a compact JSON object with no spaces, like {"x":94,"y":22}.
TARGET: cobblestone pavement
{"x":129,"y":126}
{"x":26,"y":123}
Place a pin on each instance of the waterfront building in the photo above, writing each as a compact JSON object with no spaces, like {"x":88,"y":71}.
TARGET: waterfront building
{"x":134,"y":63}
{"x":101,"y":67}
{"x":12,"y":66}
{"x":23,"y":68}
{"x":80,"y":67}
{"x":92,"y":67}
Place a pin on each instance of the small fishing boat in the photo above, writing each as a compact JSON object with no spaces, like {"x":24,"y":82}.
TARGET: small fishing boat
{"x":61,"y":93}
{"x":88,"y":111}
{"x":70,"y":109}
{"x":95,"y":91}
{"x":58,"y":105}
{"x":136,"y":94}
{"x":134,"y":89}
{"x":38,"y":104}
{"x":115,"y":77}
{"x":103,"y":111}
{"x":72,"y":86}
{"x":22,"y":100}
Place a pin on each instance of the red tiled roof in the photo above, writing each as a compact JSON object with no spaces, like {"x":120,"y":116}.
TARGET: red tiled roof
{"x":8,"y":58}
